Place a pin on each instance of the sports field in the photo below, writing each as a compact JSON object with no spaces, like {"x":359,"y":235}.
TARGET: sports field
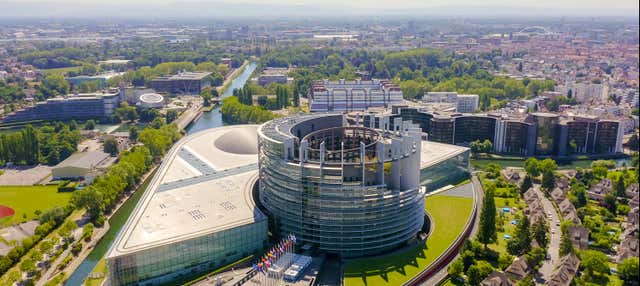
{"x":25,"y":200}
{"x":449,"y":213}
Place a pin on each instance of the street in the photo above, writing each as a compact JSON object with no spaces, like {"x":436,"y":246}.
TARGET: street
{"x":554,"y":243}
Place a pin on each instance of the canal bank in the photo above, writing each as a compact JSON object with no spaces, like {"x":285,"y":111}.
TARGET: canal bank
{"x":207,"y":120}
{"x":213,"y":118}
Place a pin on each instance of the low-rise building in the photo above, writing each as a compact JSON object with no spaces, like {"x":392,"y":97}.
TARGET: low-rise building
{"x":80,"y":165}
{"x":563,"y":275}
{"x":519,"y":269}
{"x":184,"y":82}
{"x":497,"y":278}
{"x":579,"y":236}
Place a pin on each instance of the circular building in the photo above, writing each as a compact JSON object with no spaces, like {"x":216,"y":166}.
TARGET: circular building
{"x":151,"y":100}
{"x":347,"y":190}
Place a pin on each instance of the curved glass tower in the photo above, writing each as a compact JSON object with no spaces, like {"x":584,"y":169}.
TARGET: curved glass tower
{"x":347,"y":190}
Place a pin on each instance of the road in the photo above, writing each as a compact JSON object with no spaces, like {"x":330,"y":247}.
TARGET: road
{"x":554,"y":243}
{"x":443,"y":273}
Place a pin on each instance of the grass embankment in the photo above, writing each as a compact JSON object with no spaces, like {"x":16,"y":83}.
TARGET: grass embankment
{"x":480,"y":164}
{"x":394,"y":269}
{"x":25,"y":200}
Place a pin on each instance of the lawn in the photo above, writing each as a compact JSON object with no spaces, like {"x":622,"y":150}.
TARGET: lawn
{"x":501,"y":244}
{"x":62,"y":71}
{"x":101,"y":267}
{"x":480,"y":164}
{"x":394,"y":269}
{"x":25,"y":200}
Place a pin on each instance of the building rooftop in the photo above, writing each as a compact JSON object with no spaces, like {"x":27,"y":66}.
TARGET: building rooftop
{"x":434,"y":152}
{"x":203,"y":186}
{"x":84,"y":160}
{"x":185,"y":76}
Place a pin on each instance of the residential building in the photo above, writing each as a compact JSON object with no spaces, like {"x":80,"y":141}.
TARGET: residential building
{"x":467,"y":103}
{"x":579,"y":236}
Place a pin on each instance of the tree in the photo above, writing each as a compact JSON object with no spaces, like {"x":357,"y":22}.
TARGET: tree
{"x":89,"y":199}
{"x":456,"y":268}
{"x":487,"y":232}
{"x":611,"y":203}
{"x":628,"y":271}
{"x":565,"y":244}
{"x":478,"y":271}
{"x":535,"y":257}
{"x":532,"y":168}
{"x":526,"y":184}
{"x":54,"y":85}
{"x":493,"y":170}
{"x":133,"y":133}
{"x":540,"y":231}
{"x":521,"y":241}
{"x":548,"y":180}
{"x":27,"y":265}
{"x":619,"y":187}
{"x":90,"y":124}
{"x":110,"y":146}
{"x":206,"y":96}
{"x":171,"y":116}
{"x":547,"y":165}
{"x":594,"y":262}
{"x":126,"y":112}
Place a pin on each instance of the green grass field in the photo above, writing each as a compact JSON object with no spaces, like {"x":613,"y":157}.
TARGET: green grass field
{"x":61,"y":70}
{"x":25,"y":200}
{"x":394,"y":269}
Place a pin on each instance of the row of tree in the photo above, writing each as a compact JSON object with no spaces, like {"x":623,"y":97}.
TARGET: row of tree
{"x":48,"y":144}
{"x":238,"y":113}
{"x":106,"y":190}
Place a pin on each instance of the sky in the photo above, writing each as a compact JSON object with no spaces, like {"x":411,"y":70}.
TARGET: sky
{"x":229,"y":8}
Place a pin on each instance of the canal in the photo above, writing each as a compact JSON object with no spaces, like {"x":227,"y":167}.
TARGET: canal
{"x":214,"y":117}
{"x":116,"y":222}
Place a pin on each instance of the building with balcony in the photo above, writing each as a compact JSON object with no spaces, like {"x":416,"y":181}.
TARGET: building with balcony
{"x":182,"y":83}
{"x":355,"y":95}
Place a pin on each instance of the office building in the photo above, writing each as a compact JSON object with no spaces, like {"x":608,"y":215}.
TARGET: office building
{"x":464,"y":103}
{"x":197,"y":213}
{"x":467,"y":103}
{"x":543,"y":134}
{"x":100,"y":79}
{"x":182,"y":83}
{"x":355,"y":95}
{"x":347,"y":190}
{"x":99,"y":105}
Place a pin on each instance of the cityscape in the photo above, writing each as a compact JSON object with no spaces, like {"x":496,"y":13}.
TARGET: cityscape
{"x":319,"y":143}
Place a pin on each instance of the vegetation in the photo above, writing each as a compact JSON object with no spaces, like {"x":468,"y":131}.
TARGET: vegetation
{"x":396,"y":268}
{"x":48,"y":144}
{"x":487,"y":227}
{"x":235,"y":112}
{"x":123,"y":176}
{"x":21,"y":199}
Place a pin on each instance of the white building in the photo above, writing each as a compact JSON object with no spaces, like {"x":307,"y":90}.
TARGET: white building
{"x":586,"y":92}
{"x":467,"y":103}
{"x":441,"y":96}
{"x":80,"y":165}
{"x":358,"y":95}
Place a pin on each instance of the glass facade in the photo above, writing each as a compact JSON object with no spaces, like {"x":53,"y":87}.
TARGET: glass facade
{"x":447,"y":172}
{"x":165,"y":263}
{"x":339,"y":195}
{"x":607,"y":136}
{"x":472,"y":128}
{"x":546,"y":133}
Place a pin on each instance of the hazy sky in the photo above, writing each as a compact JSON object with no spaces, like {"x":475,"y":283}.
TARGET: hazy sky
{"x":87,"y":8}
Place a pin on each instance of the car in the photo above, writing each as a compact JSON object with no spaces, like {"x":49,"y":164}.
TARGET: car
{"x":553,"y":231}
{"x":557,"y":223}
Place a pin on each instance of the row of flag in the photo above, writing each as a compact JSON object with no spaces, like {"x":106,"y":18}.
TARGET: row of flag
{"x":271,"y":256}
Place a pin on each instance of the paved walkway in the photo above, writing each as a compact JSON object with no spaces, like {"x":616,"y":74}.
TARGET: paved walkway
{"x":554,"y":243}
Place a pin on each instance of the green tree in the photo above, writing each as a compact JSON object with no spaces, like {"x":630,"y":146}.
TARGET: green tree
{"x":133,"y":133}
{"x":493,"y":170}
{"x":535,"y":257}
{"x":548,"y":180}
{"x":172,"y":115}
{"x":594,"y":262}
{"x":565,"y":244}
{"x":89,"y":199}
{"x":526,"y":184}
{"x":54,"y":85}
{"x":206,"y":96}
{"x":110,"y":146}
{"x":531,"y":165}
{"x":126,"y":112}
{"x":456,"y":268}
{"x":540,"y":230}
{"x":487,"y":231}
{"x":90,"y":124}
{"x":611,"y":203}
{"x":628,"y":271}
{"x":619,"y":187}
{"x":521,"y":241}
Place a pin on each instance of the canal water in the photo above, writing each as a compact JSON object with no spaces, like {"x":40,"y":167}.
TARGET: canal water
{"x":214,"y":117}
{"x":207,"y":120}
